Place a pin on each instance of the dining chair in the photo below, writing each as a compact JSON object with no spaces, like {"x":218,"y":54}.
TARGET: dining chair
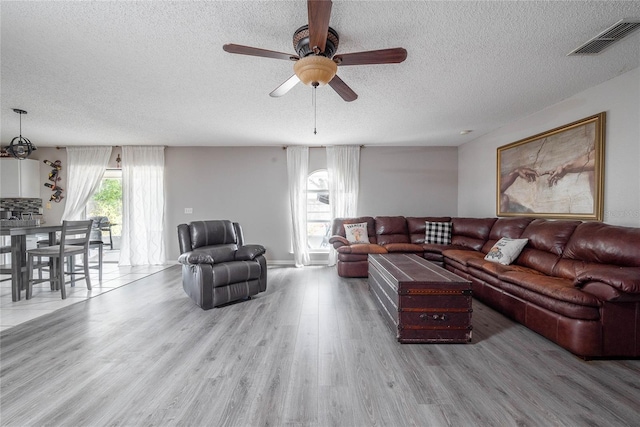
{"x":5,"y":268}
{"x":95,"y":242}
{"x":103,"y":223}
{"x":74,"y":240}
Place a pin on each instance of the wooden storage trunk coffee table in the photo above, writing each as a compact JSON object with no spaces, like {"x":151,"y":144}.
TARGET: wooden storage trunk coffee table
{"x":423,"y":302}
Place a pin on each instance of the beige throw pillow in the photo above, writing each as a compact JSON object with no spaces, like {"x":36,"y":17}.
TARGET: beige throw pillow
{"x":506,"y":250}
{"x":356,"y":233}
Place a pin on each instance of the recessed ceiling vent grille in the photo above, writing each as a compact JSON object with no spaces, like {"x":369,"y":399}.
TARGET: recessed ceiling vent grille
{"x":608,"y":37}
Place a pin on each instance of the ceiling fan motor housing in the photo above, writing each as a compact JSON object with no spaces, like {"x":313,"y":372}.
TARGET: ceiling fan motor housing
{"x":301,"y":43}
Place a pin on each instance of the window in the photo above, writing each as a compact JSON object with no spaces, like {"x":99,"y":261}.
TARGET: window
{"x":107,"y":201}
{"x":318,"y":211}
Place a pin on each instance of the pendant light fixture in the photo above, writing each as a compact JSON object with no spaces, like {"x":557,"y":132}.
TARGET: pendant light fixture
{"x":20,"y":147}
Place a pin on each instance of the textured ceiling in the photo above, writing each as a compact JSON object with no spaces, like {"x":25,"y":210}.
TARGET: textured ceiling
{"x":136,"y":73}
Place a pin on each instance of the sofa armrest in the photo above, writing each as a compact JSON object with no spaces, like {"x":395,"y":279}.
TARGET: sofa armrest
{"x":249,"y":252}
{"x":189,"y":258}
{"x":207,"y":256}
{"x":624,"y":279}
{"x":338,"y":241}
{"x":362,"y":249}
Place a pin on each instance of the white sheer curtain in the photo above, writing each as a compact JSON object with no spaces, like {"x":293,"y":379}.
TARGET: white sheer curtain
{"x":142,"y":206}
{"x":343,"y":164}
{"x":297,"y":170}
{"x":85,"y":169}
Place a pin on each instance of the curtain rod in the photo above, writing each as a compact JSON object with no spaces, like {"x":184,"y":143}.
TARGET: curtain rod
{"x":284,"y":147}
{"x":58,"y":147}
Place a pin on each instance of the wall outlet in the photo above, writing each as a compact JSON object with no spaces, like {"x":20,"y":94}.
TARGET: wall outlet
{"x":188,"y":210}
{"x":48,"y":205}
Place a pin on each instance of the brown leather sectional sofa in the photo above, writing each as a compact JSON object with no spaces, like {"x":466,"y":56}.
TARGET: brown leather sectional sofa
{"x":576,"y":283}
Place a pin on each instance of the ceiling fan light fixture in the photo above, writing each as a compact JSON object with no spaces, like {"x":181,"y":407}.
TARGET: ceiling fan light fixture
{"x":20,"y":147}
{"x":313,"y":70}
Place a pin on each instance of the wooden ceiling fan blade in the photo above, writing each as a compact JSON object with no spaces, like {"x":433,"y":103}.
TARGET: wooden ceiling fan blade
{"x":319,"y":15}
{"x":254,"y":51}
{"x":342,"y":89}
{"x":285,"y":87}
{"x":382,"y":56}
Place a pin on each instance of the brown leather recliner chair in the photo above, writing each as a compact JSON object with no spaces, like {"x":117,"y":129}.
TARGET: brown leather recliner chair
{"x":217,"y":267}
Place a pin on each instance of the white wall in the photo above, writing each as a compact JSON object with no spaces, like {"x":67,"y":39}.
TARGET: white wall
{"x":408,"y":181}
{"x":243,"y":184}
{"x":619,"y":97}
{"x":249,"y":185}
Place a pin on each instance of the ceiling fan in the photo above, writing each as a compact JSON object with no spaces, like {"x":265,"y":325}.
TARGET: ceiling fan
{"x":316,"y":45}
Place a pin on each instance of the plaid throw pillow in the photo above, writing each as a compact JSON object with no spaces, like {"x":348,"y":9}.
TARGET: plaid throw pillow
{"x":438,"y":233}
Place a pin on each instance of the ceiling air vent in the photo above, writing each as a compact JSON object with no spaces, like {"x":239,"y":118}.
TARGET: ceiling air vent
{"x":611,"y":35}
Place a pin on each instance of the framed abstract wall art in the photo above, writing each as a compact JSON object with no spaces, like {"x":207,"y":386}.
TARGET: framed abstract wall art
{"x":555,"y":174}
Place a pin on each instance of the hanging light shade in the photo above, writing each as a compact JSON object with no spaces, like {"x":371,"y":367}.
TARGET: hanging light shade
{"x":20,"y":147}
{"x":315,"y":70}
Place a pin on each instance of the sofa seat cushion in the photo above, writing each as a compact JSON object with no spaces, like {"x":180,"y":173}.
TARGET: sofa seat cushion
{"x":462,"y":256}
{"x":235,"y":272}
{"x":556,"y":306}
{"x":362,"y":248}
{"x":553,"y":287}
{"x":495,"y":269}
{"x":433,"y":257}
{"x":458,"y":258}
{"x":437,"y":249}
{"x":403,"y":247}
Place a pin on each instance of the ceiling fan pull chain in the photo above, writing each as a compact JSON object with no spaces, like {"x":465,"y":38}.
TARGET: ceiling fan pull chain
{"x":315,"y":108}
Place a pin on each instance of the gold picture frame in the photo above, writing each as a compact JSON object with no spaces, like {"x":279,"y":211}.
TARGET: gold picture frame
{"x":555,"y":174}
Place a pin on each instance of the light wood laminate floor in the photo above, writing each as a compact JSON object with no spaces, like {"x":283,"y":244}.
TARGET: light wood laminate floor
{"x":45,"y":301}
{"x":311,"y":351}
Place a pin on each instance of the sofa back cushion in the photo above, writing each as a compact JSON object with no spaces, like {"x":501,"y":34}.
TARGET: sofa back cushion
{"x":595,"y":242}
{"x":391,"y":229}
{"x":417,"y":226}
{"x":209,"y":233}
{"x":337,"y":227}
{"x":471,"y":233}
{"x":547,"y":240}
{"x":511,"y":228}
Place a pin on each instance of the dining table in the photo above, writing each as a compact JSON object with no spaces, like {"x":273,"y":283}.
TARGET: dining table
{"x":19,"y":270}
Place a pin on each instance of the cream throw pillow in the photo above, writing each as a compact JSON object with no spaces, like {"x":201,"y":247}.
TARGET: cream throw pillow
{"x":356,"y":233}
{"x":506,"y":250}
